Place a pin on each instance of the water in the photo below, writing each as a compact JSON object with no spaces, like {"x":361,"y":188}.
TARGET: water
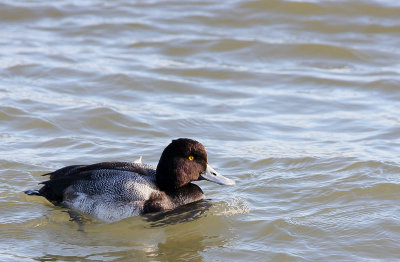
{"x":298,"y":101}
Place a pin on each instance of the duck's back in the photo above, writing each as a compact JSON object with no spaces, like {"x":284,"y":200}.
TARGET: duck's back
{"x":109,"y":191}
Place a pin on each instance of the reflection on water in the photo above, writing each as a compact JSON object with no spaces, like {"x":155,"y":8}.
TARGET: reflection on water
{"x":181,"y":214}
{"x":179,"y":235}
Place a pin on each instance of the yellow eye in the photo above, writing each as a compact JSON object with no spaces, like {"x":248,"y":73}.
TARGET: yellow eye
{"x":191,"y":158}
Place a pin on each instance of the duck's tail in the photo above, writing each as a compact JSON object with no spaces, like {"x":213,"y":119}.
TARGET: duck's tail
{"x":32,"y":192}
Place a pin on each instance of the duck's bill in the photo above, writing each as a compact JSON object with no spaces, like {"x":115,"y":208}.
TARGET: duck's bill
{"x":214,"y":176}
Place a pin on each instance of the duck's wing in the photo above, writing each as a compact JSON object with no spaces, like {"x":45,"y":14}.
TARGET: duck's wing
{"x":60,"y":180}
{"x":138,"y":161}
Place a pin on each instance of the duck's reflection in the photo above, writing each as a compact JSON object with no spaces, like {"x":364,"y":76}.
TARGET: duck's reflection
{"x":185,"y":246}
{"x":181,"y":214}
{"x":184,"y":234}
{"x":188,"y":248}
{"x":188,"y":233}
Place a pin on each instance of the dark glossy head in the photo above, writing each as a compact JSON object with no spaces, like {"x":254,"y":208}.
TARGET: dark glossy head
{"x":183,"y":161}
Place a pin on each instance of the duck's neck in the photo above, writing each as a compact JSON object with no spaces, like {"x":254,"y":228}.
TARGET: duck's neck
{"x":166,"y":176}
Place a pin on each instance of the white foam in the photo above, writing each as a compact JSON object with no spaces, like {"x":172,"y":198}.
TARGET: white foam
{"x":236,"y":206}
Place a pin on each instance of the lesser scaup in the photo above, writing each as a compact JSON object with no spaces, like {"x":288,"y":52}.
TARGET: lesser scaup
{"x":111,"y":191}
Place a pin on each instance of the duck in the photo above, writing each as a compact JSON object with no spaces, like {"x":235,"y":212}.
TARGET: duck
{"x":112,"y":191}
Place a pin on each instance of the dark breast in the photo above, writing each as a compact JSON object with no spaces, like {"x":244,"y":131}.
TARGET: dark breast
{"x":165,"y":200}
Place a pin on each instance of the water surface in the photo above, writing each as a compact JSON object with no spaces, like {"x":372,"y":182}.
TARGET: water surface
{"x":297,"y":101}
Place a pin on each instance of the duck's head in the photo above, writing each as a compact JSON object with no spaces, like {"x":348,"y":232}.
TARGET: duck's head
{"x":183,"y":161}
